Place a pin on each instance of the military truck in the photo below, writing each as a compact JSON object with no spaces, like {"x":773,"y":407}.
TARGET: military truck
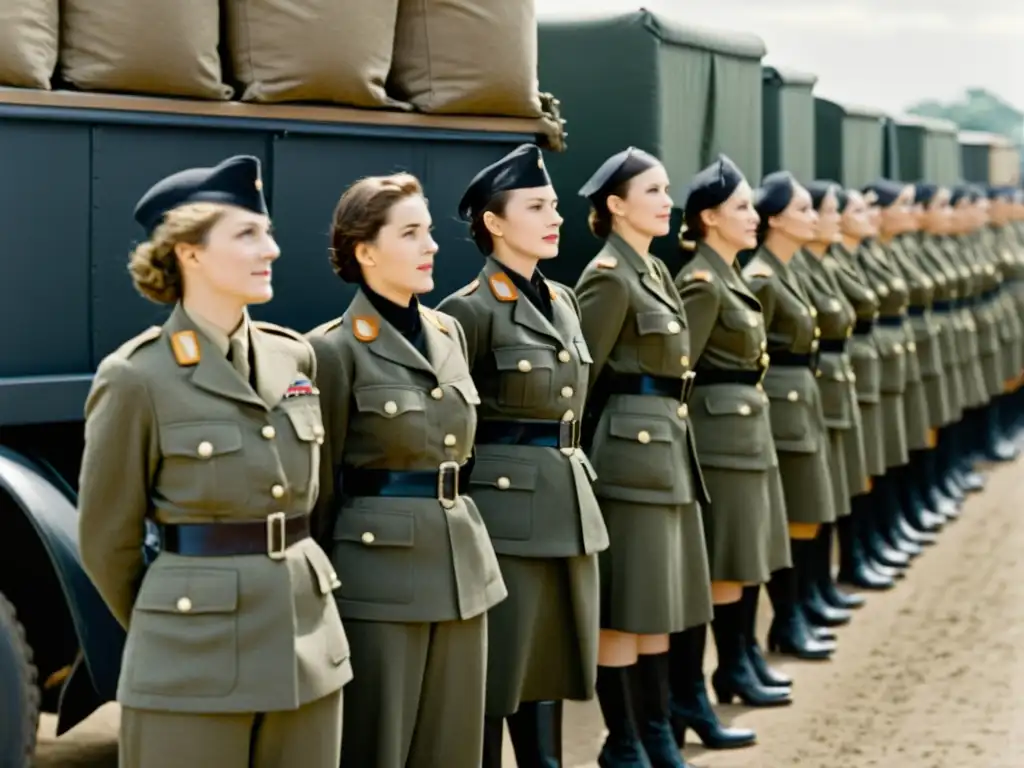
{"x":74,"y":165}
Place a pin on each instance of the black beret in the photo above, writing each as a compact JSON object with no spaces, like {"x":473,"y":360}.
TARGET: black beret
{"x":774,"y":194}
{"x":819,"y":189}
{"x":522,"y":168}
{"x":1001,"y":193}
{"x":619,"y":168}
{"x":885,"y":191}
{"x":236,"y":181}
{"x":712,"y":186}
{"x":962,"y":192}
{"x":925,"y":192}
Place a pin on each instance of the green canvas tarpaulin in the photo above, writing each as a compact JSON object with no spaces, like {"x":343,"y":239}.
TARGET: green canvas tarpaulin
{"x":850,"y":143}
{"x":928,"y":149}
{"x":975,"y":147}
{"x":989,"y":158}
{"x":788,"y":124}
{"x":639,"y":79}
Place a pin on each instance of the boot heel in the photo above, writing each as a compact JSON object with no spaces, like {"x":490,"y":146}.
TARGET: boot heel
{"x":724,"y":695}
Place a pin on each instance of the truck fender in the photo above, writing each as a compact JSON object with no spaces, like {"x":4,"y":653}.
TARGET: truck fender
{"x":54,"y":517}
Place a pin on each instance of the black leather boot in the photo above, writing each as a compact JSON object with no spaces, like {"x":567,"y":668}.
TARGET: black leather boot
{"x":817,"y":610}
{"x":834,"y":596}
{"x":948,"y":471}
{"x":854,"y":566}
{"x":650,"y":680}
{"x":891,"y":512}
{"x":536,"y":733}
{"x":997,"y":446}
{"x":689,"y":706}
{"x":914,"y":518}
{"x":735,"y":676}
{"x":790,"y":634}
{"x":494,"y":735}
{"x":943,"y":507}
{"x":972,"y":480}
{"x":622,"y":748}
{"x":769,"y":677}
{"x":878,"y":548}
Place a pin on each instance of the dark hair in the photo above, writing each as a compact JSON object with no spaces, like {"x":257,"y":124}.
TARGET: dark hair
{"x":478,"y":231}
{"x":600,"y":218}
{"x":692,"y":232}
{"x":361,"y":213}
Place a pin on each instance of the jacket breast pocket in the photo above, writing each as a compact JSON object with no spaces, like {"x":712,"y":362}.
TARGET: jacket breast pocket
{"x":301,"y":462}
{"x":504,"y":493}
{"x":526,"y":375}
{"x":636,"y":451}
{"x":203,"y":465}
{"x":662,"y":341}
{"x":741,"y":336}
{"x":396,"y":414}
{"x":373,"y":554}
{"x":893,"y":356}
{"x":792,"y":415}
{"x":867,"y":369}
{"x":183,"y":636}
{"x":836,"y":392}
{"x":731,"y":428}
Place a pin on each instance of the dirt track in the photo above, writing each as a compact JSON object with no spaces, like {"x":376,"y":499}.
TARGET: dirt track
{"x":929,"y":675}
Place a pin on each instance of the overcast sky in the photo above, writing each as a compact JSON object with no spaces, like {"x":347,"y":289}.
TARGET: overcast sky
{"x":881,"y":53}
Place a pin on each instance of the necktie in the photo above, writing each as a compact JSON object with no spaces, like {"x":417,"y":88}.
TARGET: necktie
{"x":239,"y":359}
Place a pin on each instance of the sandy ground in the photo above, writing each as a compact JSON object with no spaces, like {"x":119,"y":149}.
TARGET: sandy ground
{"x":929,"y":675}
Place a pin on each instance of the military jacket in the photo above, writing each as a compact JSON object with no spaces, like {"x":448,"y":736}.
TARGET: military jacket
{"x":836,"y":319}
{"x":537,"y":501}
{"x":388,"y":407}
{"x":893,"y":299}
{"x":923,"y":328}
{"x":845,"y":269}
{"x":791,"y":319}
{"x":173,"y":433}
{"x":727,"y":334}
{"x":985,"y":282}
{"x":935,"y":262}
{"x":634,"y":324}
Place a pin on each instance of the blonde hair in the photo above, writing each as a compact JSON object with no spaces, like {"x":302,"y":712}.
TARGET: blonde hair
{"x":153,"y":264}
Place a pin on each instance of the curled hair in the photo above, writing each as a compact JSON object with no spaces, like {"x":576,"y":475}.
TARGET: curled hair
{"x":153,"y":264}
{"x":600,"y":217}
{"x":692,"y":232}
{"x":361,"y":213}
{"x":481,"y":236}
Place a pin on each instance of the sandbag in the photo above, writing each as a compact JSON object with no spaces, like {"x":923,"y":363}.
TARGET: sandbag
{"x":161,"y":47}
{"x":474,"y":57}
{"x":335,"y":51}
{"x":28,"y":42}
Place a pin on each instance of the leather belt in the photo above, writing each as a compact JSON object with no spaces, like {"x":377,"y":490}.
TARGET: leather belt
{"x":710,"y":376}
{"x":656,"y":386}
{"x":863,"y":327}
{"x":271,"y":536}
{"x":944,"y":306}
{"x":446,"y":483}
{"x":832,"y":345}
{"x":916,"y":311}
{"x":564,"y":435}
{"x":891,"y":321}
{"x":793,"y":360}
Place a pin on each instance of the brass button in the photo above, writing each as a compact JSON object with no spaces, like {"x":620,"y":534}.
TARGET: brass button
{"x":883,"y":290}
{"x":437,"y":393}
{"x":814,"y":312}
{"x":898,"y":284}
{"x":318,"y":430}
{"x":391,"y":407}
{"x":744,"y":410}
{"x":817,"y":332}
{"x":852,"y":376}
{"x":567,"y":391}
{"x":674,"y":327}
{"x":524,"y":366}
{"x":849,"y":332}
{"x":277,"y":491}
{"x":205,"y":449}
{"x":684,"y":361}
{"x":815,"y":345}
{"x":793,"y":396}
{"x":683,"y":411}
{"x":840,"y":376}
{"x":643,"y":436}
{"x":503,"y":483}
{"x":752,"y":320}
{"x":368,"y":537}
{"x":765,"y":360}
{"x":911,"y":347}
{"x":568,"y":416}
{"x":268,"y":432}
{"x":564,"y":356}
{"x":834,"y":305}
{"x":184,"y":605}
{"x":319,"y":441}
{"x":449,"y":440}
{"x":764,"y":345}
{"x":898,"y":349}
{"x":871,"y":295}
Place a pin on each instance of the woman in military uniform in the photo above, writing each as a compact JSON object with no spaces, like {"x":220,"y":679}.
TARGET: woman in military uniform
{"x":208,"y":426}
{"x":745,"y":521}
{"x":531,"y":480}
{"x":654,"y":575}
{"x":820,"y":273}
{"x":855,"y":564}
{"x":417,"y":569}
{"x":787,"y":223}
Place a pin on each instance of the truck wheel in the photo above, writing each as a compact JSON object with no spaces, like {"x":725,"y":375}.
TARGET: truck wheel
{"x":19,"y":695}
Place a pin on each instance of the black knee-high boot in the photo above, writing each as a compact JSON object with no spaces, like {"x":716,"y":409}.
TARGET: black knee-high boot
{"x":622,"y":748}
{"x":689,"y":706}
{"x":855,"y":566}
{"x":790,"y":633}
{"x":769,"y":677}
{"x":536,"y":733}
{"x":494,"y":736}
{"x":735,"y":675}
{"x":816,"y":608}
{"x":650,"y":680}
{"x":834,"y":596}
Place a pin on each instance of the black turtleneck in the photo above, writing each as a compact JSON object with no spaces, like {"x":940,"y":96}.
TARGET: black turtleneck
{"x":406,"y":320}
{"x":535,"y":289}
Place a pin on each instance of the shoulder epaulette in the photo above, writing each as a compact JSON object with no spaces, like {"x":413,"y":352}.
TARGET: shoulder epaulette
{"x":703,"y":275}
{"x":606,"y":262}
{"x":433,"y":317}
{"x":278,"y":330}
{"x":330,"y":325}
{"x":469,"y":290}
{"x":136,"y":343}
{"x":758,"y":269}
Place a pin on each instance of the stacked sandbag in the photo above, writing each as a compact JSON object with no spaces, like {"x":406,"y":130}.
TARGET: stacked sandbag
{"x":161,"y":47}
{"x":474,"y":57}
{"x":28,"y":42}
{"x":332,"y":51}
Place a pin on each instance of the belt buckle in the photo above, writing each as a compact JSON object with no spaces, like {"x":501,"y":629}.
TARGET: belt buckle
{"x":688,"y":381}
{"x":568,"y":436}
{"x":276,"y":534}
{"x":448,"y":471}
